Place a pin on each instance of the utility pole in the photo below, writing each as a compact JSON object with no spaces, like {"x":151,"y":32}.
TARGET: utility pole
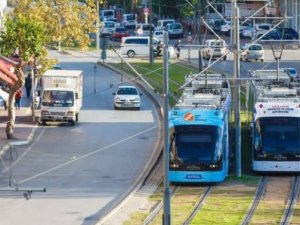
{"x":151,"y":34}
{"x":97,"y":25}
{"x":166,"y":212}
{"x":237,"y":107}
{"x":200,"y":64}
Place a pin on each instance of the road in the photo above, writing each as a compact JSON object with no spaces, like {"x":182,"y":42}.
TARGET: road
{"x":290,"y":58}
{"x":85,"y":168}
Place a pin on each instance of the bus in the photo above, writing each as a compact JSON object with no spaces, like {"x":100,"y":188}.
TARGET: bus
{"x":199,"y":131}
{"x":274,"y":103}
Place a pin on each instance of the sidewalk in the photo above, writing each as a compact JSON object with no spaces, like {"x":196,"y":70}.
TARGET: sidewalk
{"x":24,"y":126}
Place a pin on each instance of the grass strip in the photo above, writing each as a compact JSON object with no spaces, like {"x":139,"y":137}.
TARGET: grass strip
{"x":227,"y":204}
{"x":182,"y":204}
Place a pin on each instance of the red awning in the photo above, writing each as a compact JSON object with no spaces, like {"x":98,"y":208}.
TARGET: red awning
{"x":7,"y":71}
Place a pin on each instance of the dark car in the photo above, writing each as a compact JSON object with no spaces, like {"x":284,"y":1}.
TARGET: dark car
{"x":119,"y":33}
{"x":289,"y":31}
{"x":281,"y":33}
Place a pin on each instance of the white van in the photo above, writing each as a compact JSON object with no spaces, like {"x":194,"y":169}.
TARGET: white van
{"x":107,"y":13}
{"x":129,"y":19}
{"x":137,"y":45}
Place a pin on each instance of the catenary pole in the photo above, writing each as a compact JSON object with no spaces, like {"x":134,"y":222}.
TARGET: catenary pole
{"x":151,"y":34}
{"x":237,"y":93}
{"x":200,"y":64}
{"x":97,"y":25}
{"x":166,"y":214}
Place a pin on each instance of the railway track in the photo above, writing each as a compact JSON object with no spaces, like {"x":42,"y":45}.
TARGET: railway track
{"x":153,"y":215}
{"x":197,"y":206}
{"x":258,"y":196}
{"x":289,"y":208}
{"x":157,"y":209}
{"x":292,"y":200}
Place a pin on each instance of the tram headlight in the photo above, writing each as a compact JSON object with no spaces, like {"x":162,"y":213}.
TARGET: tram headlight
{"x":174,"y":165}
{"x":215,"y":166}
{"x":262,"y":156}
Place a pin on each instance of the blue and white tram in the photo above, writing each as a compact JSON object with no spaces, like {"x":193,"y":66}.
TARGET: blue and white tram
{"x":199,"y":131}
{"x":276,"y":122}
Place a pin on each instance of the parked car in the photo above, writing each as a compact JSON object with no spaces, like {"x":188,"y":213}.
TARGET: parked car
{"x":216,"y":24}
{"x":161,"y":24}
{"x":281,"y":33}
{"x":257,"y":31}
{"x":129,"y":18}
{"x":252,"y":52}
{"x":127,"y":97}
{"x":117,"y":24}
{"x":226,"y":27}
{"x":291,"y":71}
{"x":107,"y":13}
{"x":175,"y":30}
{"x":119,"y":33}
{"x":158,"y":34}
{"x":56,"y":67}
{"x":214,"y":48}
{"x":3,"y":98}
{"x":144,"y":29}
{"x":289,"y":32}
{"x":107,"y":28}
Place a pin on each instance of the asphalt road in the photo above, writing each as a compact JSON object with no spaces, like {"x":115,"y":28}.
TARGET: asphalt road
{"x":85,"y":168}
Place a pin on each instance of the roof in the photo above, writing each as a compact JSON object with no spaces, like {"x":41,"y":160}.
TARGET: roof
{"x":70,"y":73}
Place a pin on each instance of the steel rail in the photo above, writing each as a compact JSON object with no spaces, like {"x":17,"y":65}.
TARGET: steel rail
{"x":258,"y":196}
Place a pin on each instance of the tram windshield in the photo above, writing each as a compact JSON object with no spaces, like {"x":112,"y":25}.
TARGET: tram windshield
{"x":196,"y":144}
{"x":277,"y":135}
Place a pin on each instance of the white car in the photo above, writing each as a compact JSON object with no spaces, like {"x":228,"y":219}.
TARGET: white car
{"x":257,"y":31}
{"x":117,"y":24}
{"x":226,"y":27}
{"x":175,"y":30}
{"x":107,"y":28}
{"x":214,"y":48}
{"x":252,"y":52}
{"x":127,"y":97}
{"x":158,"y":34}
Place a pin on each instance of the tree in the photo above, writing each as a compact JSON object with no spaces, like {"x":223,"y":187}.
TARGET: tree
{"x":26,"y":38}
{"x":68,"y":22}
{"x":36,"y":24}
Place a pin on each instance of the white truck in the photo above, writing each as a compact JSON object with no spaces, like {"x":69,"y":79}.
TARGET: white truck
{"x":61,"y":98}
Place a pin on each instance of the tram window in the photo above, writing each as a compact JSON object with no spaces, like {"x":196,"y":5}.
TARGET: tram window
{"x":193,"y":148}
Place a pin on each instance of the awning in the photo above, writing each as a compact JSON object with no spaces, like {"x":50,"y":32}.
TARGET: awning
{"x":7,"y":71}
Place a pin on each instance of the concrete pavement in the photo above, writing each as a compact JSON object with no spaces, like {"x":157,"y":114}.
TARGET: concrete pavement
{"x":24,"y":126}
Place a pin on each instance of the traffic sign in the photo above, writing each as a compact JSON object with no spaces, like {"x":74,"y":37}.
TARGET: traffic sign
{"x":146,"y":10}
{"x":189,"y":38}
{"x":104,"y":42}
{"x":139,"y":31}
{"x":103,"y":54}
